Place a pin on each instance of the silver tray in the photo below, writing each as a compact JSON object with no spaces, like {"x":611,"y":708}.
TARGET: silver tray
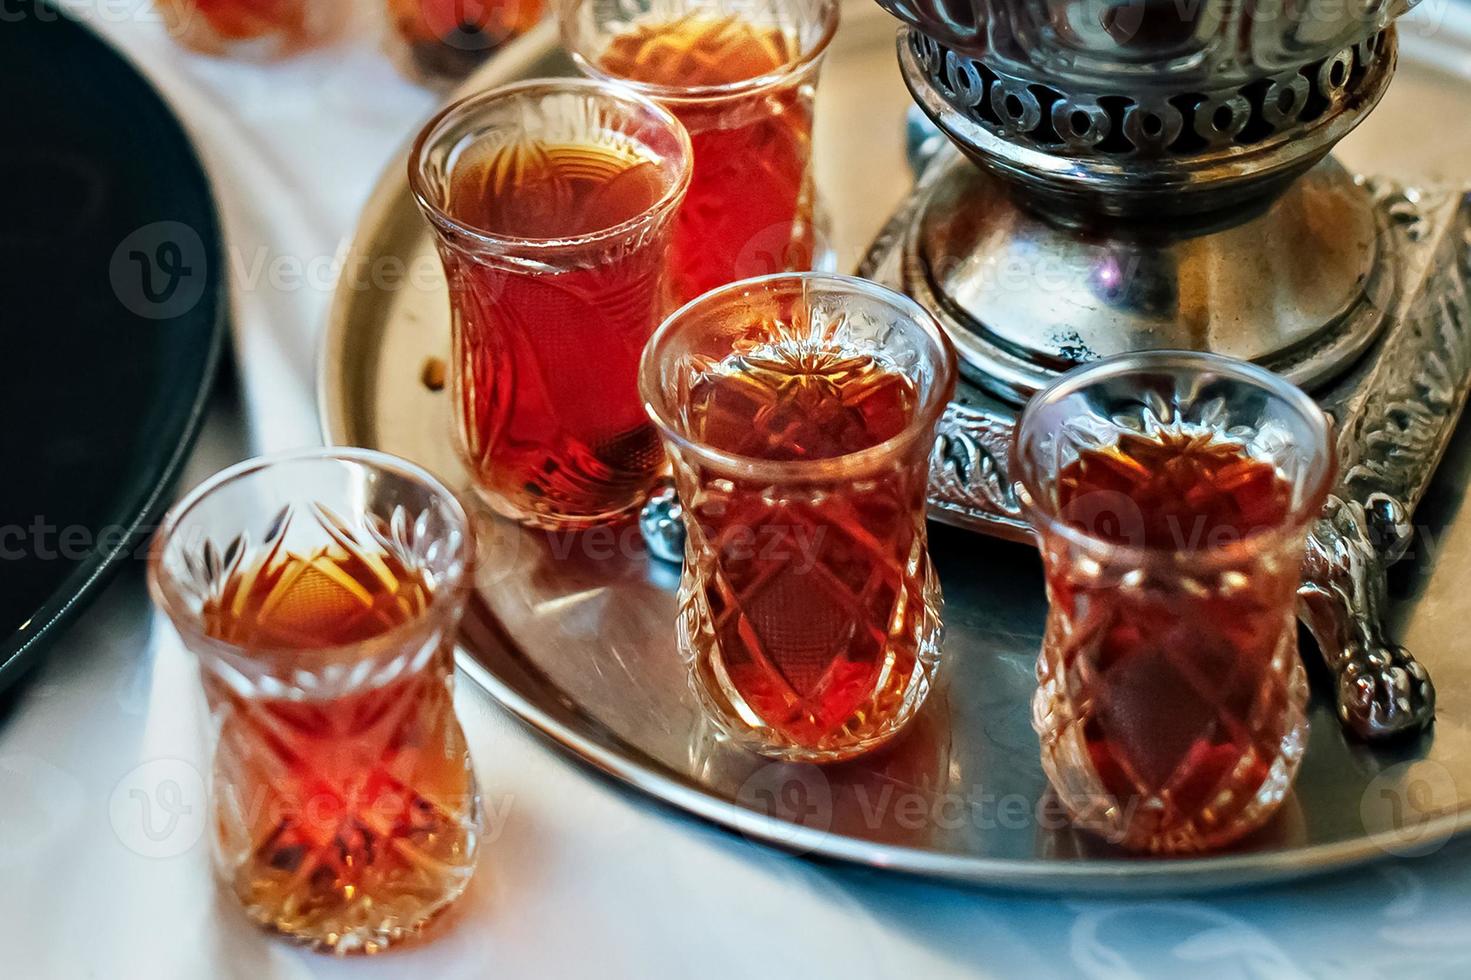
{"x":575,"y":635}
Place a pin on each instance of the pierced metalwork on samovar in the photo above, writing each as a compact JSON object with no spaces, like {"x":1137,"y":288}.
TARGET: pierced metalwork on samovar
{"x":1140,"y":174}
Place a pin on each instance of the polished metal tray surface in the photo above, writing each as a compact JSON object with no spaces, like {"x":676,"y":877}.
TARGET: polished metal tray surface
{"x":574,"y":634}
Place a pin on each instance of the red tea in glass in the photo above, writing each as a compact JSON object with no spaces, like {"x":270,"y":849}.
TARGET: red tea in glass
{"x":320,"y":591}
{"x":1162,"y":667}
{"x":742,"y":81}
{"x":1171,"y":697}
{"x":363,"y":798}
{"x":552,"y":203}
{"x":444,"y":40}
{"x":264,"y":28}
{"x":809,"y":611}
{"x":806,"y":657}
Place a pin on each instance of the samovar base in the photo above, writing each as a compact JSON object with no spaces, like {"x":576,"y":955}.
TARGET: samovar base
{"x":1394,"y":411}
{"x":1301,"y":286}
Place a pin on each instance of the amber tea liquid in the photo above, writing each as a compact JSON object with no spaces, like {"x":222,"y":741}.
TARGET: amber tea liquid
{"x":549,"y":415}
{"x":749,"y":207}
{"x":1184,"y":720}
{"x":339,"y":814}
{"x":225,"y":25}
{"x":812,"y":593}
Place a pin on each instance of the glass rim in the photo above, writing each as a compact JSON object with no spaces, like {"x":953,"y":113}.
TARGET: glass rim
{"x":694,"y":95}
{"x":931,"y":404}
{"x":445,"y":598}
{"x":1027,"y":481}
{"x":430,"y":206}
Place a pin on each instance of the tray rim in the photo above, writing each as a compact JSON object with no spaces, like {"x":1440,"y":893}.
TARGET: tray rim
{"x":1101,"y":876}
{"x":1104,"y":876}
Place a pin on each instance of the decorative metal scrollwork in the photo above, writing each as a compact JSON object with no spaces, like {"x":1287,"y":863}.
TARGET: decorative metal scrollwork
{"x":1048,"y":114}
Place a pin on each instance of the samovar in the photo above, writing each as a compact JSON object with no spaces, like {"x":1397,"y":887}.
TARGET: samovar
{"x":1152,"y":174}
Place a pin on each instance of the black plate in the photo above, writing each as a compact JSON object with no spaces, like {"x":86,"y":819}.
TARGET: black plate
{"x":112,"y":319}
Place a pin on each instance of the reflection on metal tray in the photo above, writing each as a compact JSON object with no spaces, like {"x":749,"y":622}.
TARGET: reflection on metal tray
{"x":576,"y":637}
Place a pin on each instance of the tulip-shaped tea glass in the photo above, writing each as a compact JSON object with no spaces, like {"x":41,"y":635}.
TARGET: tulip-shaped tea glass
{"x":320,"y":591}
{"x":742,"y":76}
{"x":799,"y":411}
{"x":1171,"y":494}
{"x":552,"y":203}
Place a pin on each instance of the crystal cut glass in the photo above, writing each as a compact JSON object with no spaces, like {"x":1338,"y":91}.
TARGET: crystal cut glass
{"x":320,"y":592}
{"x":799,"y":412}
{"x":1170,"y":700}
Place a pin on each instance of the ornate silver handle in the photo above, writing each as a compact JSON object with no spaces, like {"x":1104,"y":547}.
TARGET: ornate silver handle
{"x":1380,"y":690}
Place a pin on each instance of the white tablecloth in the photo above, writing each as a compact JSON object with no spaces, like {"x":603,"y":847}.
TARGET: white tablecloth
{"x":103,"y":866}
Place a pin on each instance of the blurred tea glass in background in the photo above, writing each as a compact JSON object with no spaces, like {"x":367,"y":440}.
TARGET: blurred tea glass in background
{"x":552,"y":203}
{"x":320,"y":591}
{"x":249,"y":28}
{"x":1172,"y":494}
{"x":442,"y":41}
{"x":799,"y":411}
{"x":741,"y":75}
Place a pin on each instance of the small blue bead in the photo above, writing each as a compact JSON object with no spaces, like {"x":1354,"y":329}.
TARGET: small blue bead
{"x":662,"y":524}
